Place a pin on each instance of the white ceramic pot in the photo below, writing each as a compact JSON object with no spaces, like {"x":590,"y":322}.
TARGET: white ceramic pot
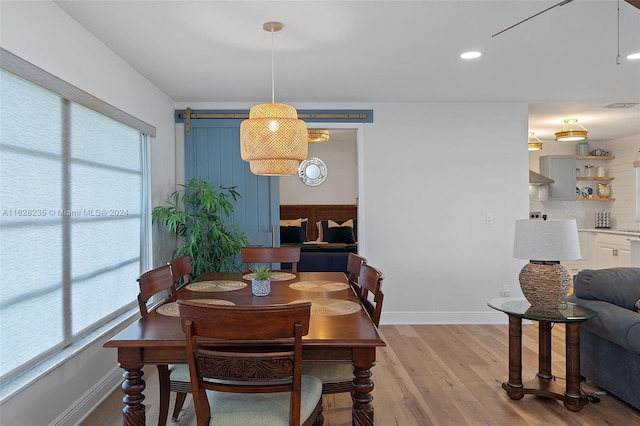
{"x":261,"y":287}
{"x":601,"y":171}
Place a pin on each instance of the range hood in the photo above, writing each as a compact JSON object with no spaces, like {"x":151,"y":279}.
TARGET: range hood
{"x":538,"y":179}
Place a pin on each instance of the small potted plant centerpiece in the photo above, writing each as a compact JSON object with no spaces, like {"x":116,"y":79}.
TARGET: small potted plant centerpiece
{"x":261,"y":281}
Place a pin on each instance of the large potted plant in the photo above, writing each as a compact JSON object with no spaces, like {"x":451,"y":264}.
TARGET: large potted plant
{"x":197,"y":215}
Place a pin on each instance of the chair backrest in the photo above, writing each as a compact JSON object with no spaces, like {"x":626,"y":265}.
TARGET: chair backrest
{"x":371,"y":295}
{"x":266,"y":357}
{"x":181,"y":268}
{"x":284,"y":254}
{"x":354,"y":262}
{"x":153,"y":282}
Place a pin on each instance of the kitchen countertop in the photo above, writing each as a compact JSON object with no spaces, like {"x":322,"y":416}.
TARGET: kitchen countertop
{"x":630,"y":232}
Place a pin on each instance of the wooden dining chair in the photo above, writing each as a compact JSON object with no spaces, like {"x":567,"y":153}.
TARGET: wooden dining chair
{"x":257,"y":377}
{"x":172,"y":377}
{"x":338,"y":377}
{"x":284,"y":254}
{"x":354,"y":262}
{"x":371,"y":296}
{"x":181,"y":270}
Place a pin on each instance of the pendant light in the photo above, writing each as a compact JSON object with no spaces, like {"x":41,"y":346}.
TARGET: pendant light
{"x":568,"y":134}
{"x":318,"y":135}
{"x":536,"y":144}
{"x":273,"y":140}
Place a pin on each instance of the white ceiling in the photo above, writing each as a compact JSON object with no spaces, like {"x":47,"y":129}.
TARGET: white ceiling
{"x":563,"y":62}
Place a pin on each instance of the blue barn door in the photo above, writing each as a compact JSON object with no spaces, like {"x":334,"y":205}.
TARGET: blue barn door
{"x":212,"y":153}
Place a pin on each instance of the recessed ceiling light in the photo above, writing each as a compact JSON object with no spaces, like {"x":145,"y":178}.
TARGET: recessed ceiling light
{"x":470,"y":55}
{"x":634,"y":56}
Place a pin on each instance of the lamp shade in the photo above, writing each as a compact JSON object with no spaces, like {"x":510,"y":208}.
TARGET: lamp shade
{"x":546,"y":240}
{"x":273,"y":132}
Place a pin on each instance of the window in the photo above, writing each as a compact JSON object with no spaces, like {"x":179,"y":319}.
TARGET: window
{"x":73,"y":227}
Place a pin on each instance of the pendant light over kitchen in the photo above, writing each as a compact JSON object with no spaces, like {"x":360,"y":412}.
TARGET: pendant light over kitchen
{"x":273,"y":140}
{"x":568,"y":134}
{"x":535,"y":144}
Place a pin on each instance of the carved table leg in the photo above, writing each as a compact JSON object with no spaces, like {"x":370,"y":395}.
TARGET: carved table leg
{"x":544,"y":350}
{"x":133,"y":413}
{"x":362,"y":413}
{"x":514,"y":385}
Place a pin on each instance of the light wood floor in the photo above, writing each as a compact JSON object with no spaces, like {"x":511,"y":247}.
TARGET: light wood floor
{"x":437,"y":375}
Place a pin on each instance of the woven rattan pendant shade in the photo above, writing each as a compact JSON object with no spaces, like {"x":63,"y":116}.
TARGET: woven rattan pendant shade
{"x":273,"y":140}
{"x":274,"y":167}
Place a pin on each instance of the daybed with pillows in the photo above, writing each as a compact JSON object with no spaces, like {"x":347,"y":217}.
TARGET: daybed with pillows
{"x":326,"y":234}
{"x":610,"y":342}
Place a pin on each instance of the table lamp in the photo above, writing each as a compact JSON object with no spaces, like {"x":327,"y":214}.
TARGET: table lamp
{"x":544,"y":281}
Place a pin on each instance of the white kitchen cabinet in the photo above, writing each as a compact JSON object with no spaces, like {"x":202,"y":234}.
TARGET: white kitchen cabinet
{"x":611,"y":250}
{"x":562,"y":169}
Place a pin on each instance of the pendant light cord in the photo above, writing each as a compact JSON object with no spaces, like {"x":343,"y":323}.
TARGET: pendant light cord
{"x":273,"y":83}
{"x":618,"y":56}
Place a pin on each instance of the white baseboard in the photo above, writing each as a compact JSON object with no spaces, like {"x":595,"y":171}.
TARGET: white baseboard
{"x":74,"y":414}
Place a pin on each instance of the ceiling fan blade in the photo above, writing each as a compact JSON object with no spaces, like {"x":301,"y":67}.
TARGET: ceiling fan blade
{"x":635,"y":3}
{"x":562,"y":3}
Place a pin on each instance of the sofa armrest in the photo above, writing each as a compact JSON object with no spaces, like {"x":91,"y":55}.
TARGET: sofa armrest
{"x":614,"y":323}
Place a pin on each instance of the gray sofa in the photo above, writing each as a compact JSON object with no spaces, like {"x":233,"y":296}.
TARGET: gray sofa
{"x":610,"y":343}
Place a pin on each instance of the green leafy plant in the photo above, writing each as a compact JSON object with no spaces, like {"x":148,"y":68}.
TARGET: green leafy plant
{"x":261,"y":272}
{"x":197,"y":216}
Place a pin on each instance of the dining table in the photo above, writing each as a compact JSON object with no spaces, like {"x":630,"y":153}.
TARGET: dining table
{"x":340,"y":330}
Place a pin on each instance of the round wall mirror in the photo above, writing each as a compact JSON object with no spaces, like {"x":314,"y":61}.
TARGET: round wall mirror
{"x":312,"y":171}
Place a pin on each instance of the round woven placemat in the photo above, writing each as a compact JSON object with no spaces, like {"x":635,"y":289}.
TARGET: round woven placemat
{"x":331,"y":307}
{"x":171,"y":309}
{"x":319,"y":286}
{"x":216,"y":286}
{"x":275,"y":276}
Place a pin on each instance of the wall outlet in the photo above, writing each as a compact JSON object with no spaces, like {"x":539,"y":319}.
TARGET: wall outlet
{"x":488,"y":218}
{"x":535,"y":215}
{"x":505,"y":290}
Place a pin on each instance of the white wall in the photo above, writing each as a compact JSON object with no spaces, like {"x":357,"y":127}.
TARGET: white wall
{"x":622,"y":187}
{"x":432,"y":175}
{"x":41,"y":33}
{"x":341,"y":186}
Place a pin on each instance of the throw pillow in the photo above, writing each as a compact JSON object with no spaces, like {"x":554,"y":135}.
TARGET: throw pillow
{"x":638,"y":305}
{"x":293,"y":222}
{"x":341,"y":234}
{"x":324,"y":225}
{"x":293,"y":231}
{"x":334,"y":224}
{"x":293,"y":234}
